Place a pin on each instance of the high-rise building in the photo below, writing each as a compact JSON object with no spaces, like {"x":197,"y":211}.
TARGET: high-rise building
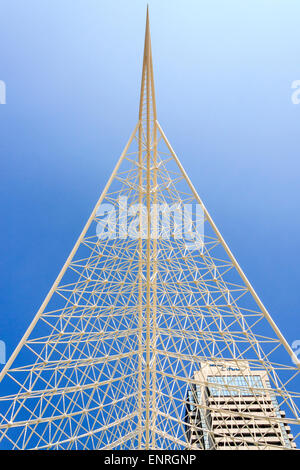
{"x":230,"y":406}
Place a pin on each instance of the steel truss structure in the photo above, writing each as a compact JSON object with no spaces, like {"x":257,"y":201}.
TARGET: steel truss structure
{"x":130,"y":323}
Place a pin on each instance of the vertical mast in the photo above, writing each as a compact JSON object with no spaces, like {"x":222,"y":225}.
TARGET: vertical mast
{"x":147,"y":144}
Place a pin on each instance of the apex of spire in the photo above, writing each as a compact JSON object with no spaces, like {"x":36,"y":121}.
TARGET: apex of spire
{"x":147,"y":24}
{"x":147,"y":85}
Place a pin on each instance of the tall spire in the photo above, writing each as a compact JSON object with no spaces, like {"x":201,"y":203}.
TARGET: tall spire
{"x":150,"y":339}
{"x":148,"y":195}
{"x":147,"y":100}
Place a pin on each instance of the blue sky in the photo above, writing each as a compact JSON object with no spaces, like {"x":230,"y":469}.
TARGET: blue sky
{"x":223,"y":73}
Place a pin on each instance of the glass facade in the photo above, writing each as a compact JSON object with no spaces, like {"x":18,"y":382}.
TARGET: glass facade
{"x":235,"y":385}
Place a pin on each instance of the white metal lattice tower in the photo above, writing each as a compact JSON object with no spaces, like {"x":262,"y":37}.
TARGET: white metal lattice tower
{"x":133,"y":321}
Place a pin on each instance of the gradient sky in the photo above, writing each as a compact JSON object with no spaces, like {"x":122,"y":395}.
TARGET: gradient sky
{"x":223,"y":73}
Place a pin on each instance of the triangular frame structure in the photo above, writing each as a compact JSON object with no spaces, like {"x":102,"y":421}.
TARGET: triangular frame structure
{"x":122,"y":340}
